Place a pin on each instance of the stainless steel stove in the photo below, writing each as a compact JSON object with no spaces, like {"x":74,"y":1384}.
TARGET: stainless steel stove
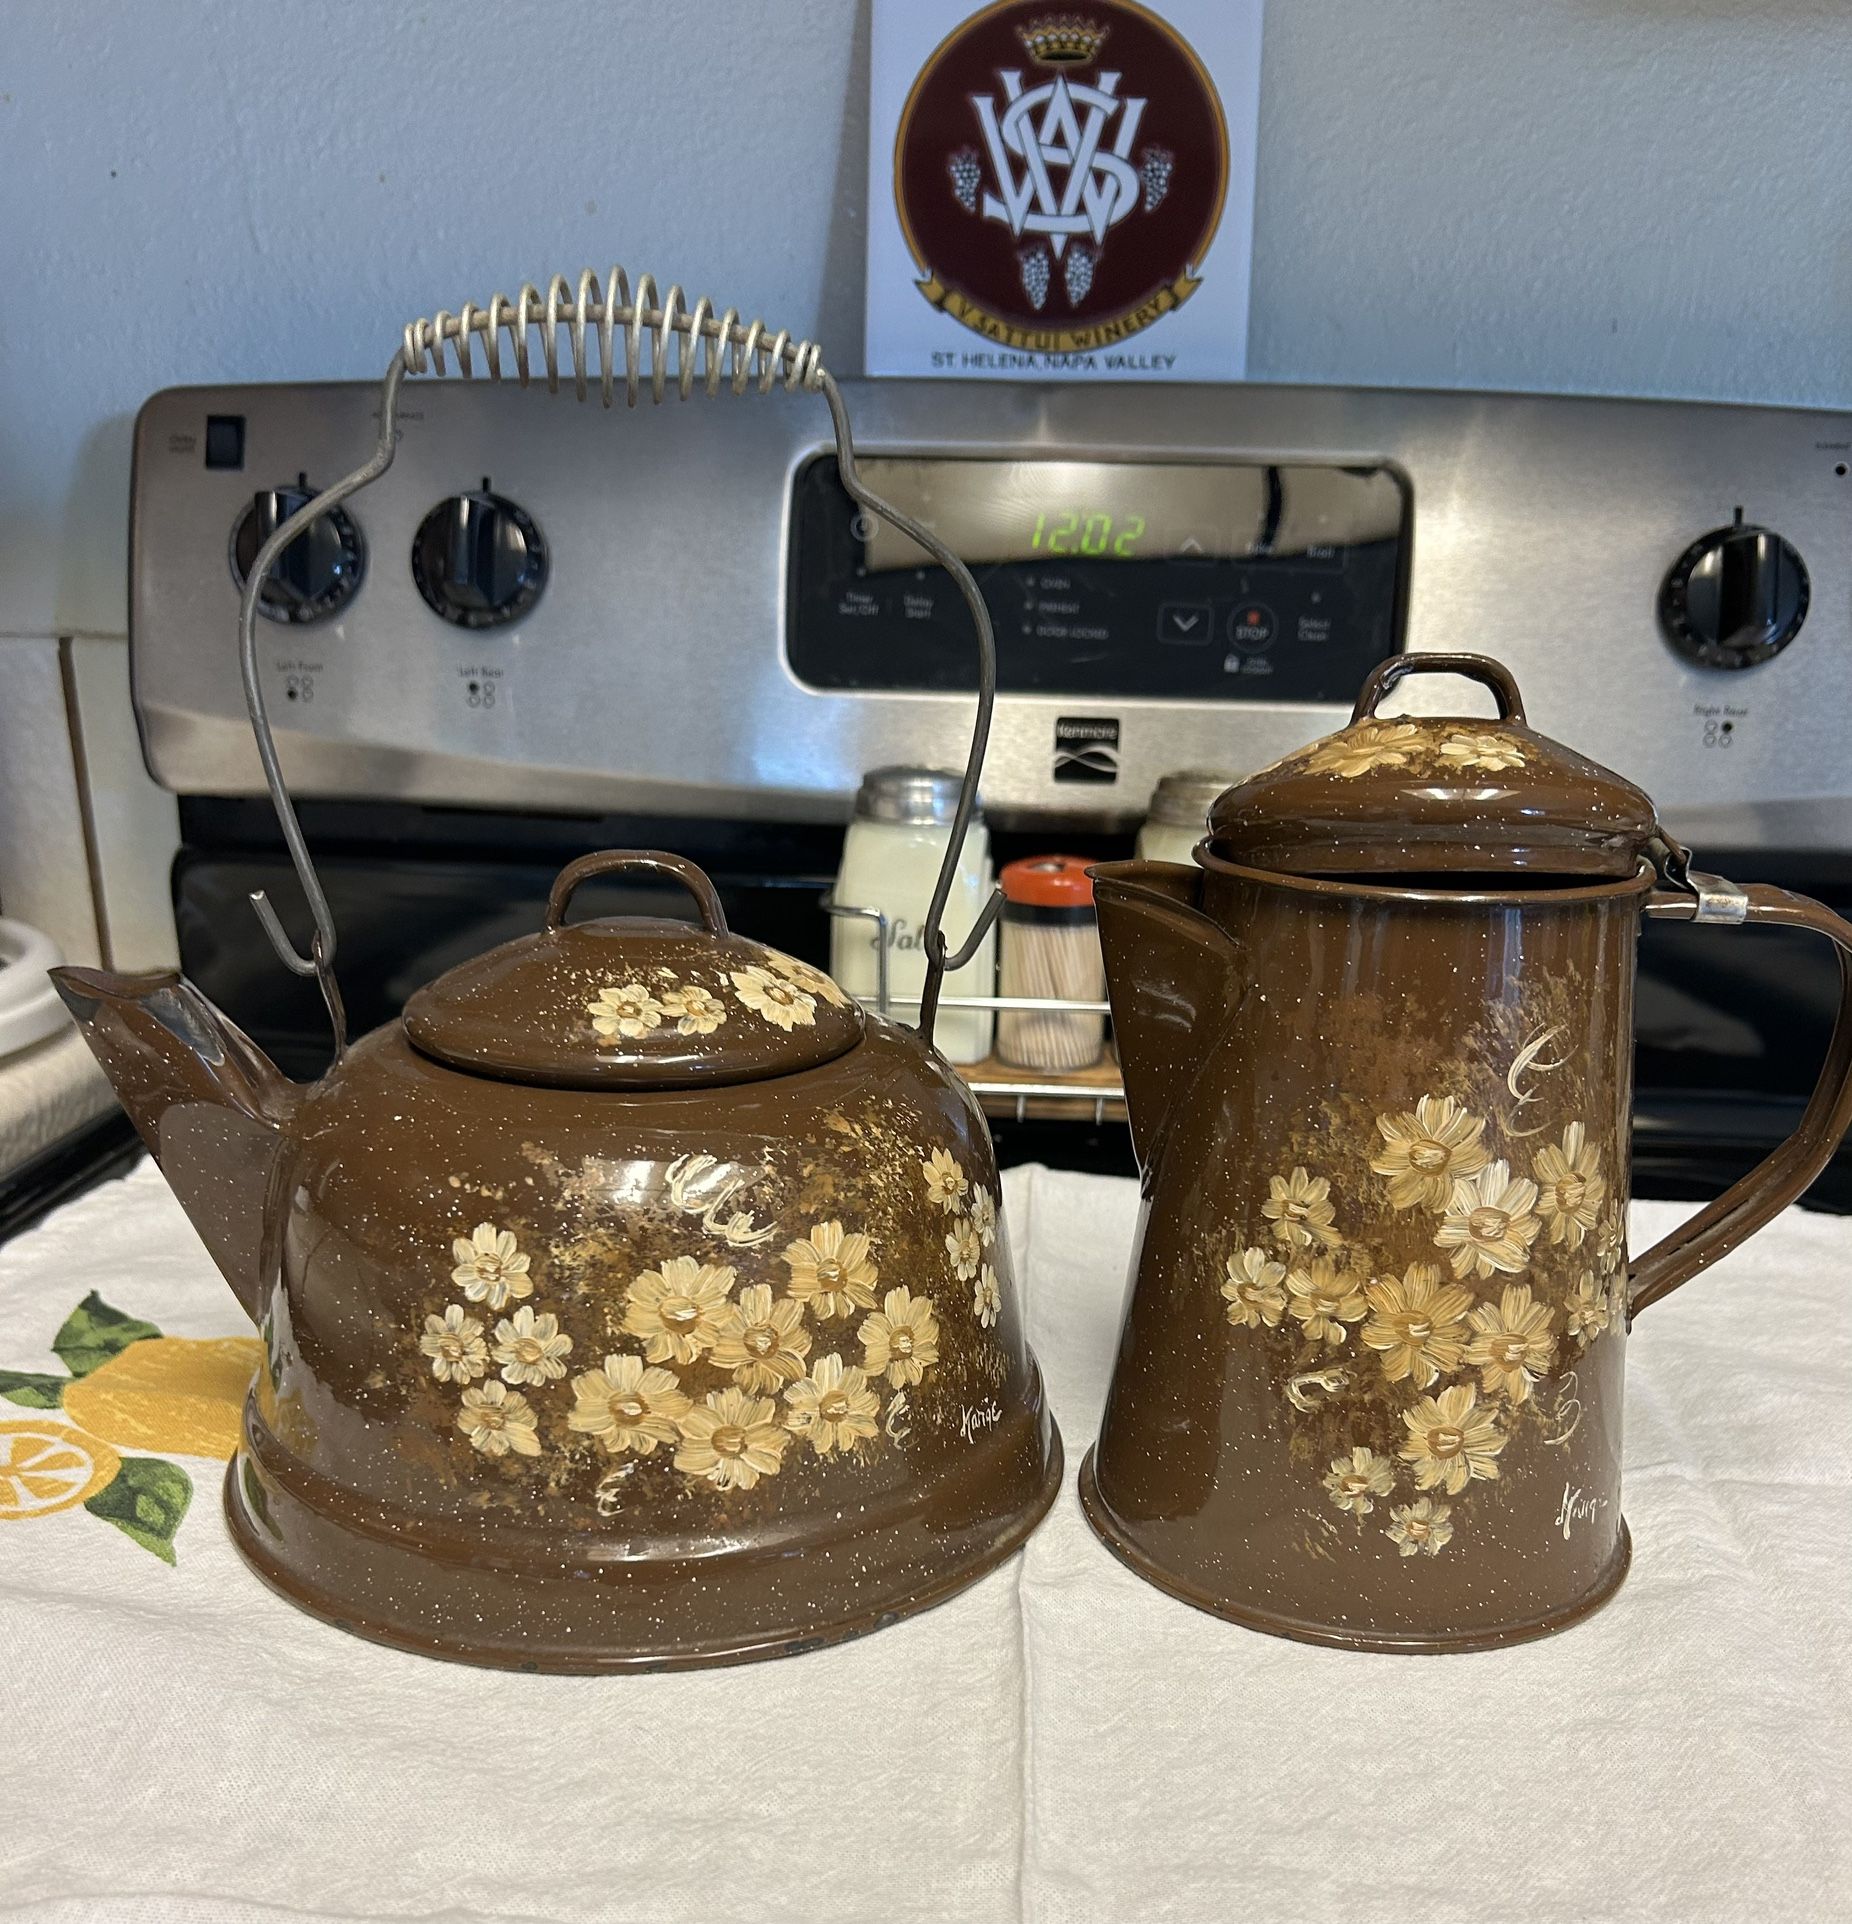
{"x":549,"y":626}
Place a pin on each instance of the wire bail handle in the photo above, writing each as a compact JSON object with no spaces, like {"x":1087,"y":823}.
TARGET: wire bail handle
{"x":707,"y":348}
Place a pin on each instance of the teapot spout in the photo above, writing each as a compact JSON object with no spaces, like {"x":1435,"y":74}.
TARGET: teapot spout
{"x":210,"y":1105}
{"x":1173,"y":978}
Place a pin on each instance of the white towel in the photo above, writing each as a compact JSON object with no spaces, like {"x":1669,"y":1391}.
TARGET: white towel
{"x":1059,"y":1743}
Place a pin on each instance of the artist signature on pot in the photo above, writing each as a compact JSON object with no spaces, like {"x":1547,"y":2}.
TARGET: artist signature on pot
{"x":979,"y":1417}
{"x":1576,"y":1508}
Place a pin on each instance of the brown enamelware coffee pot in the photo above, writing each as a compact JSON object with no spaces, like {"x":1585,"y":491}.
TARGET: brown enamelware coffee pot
{"x":637,"y":1299}
{"x":1377,"y":1046}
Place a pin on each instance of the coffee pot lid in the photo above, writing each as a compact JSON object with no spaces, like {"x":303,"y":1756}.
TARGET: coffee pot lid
{"x":632,"y":1002}
{"x":1442,"y":796}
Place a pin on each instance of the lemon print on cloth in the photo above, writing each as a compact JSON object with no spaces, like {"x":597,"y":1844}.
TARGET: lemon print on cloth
{"x":126,"y":1387}
{"x":45,"y":1468}
{"x":176,"y":1393}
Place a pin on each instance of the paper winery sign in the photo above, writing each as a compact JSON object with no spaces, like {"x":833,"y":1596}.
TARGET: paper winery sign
{"x":1062,"y":192}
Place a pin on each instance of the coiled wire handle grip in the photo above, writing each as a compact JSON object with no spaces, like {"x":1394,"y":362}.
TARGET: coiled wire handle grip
{"x":647,"y":332}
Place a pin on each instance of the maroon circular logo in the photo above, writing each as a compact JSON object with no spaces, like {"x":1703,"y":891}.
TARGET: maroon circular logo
{"x":1059,"y":176}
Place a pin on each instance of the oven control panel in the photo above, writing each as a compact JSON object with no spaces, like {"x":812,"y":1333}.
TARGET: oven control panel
{"x":1227,"y":581}
{"x":547,"y":605}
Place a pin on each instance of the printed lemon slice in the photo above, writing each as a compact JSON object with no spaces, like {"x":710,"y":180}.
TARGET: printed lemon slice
{"x":181,"y":1395}
{"x":44,"y":1468}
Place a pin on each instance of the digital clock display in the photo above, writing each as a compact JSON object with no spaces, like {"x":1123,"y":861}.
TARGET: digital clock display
{"x":1053,"y":510}
{"x":1208,"y":578}
{"x":1088,"y":531}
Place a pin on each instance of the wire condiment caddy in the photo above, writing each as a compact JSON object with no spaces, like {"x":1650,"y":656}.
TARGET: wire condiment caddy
{"x":1002,"y":1089}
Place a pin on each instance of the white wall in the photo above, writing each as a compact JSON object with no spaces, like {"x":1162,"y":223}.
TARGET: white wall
{"x":1629,"y":195}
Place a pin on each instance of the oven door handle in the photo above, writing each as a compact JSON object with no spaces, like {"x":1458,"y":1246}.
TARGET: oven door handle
{"x":1783,"y":1175}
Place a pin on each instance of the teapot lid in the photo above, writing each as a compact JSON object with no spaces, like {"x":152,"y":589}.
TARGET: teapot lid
{"x":1436,"y":795}
{"x":632,"y":1002}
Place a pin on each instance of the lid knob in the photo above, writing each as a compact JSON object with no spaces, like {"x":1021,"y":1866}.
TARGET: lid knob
{"x":609,"y":861}
{"x":1480,"y":668}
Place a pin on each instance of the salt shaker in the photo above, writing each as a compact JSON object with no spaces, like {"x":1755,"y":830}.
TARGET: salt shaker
{"x":890,"y":862}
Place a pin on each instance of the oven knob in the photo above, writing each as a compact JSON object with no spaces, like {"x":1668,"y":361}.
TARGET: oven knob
{"x":479,"y":560}
{"x":317,"y":572}
{"x":1735,"y":597}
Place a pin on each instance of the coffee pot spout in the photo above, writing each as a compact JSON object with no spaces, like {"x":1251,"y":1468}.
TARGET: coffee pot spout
{"x":1174,"y":979}
{"x":210,"y":1105}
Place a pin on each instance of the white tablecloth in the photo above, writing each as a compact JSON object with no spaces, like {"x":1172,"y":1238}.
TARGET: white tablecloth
{"x":1059,"y":1743}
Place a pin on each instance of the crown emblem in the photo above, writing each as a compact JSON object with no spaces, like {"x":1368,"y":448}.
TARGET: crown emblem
{"x":1063,"y":40}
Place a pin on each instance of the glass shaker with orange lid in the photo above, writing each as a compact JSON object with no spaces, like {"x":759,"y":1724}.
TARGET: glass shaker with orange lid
{"x":1050,"y":950}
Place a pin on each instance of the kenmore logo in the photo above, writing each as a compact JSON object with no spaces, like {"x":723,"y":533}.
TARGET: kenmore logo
{"x":1086,"y":748}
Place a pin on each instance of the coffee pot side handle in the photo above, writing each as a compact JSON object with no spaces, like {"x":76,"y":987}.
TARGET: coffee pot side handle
{"x":1783,"y":1175}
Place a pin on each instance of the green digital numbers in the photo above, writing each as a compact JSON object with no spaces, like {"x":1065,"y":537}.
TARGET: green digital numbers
{"x":1086,"y":532}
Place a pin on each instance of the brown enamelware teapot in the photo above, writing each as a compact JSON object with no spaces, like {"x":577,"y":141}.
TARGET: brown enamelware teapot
{"x":637,"y":1299}
{"x":1378,"y":1046}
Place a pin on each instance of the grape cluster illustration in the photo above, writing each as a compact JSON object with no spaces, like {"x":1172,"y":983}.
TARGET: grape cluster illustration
{"x":967,"y":176}
{"x":1078,"y":274}
{"x":1033,"y":265}
{"x":1155,"y":165}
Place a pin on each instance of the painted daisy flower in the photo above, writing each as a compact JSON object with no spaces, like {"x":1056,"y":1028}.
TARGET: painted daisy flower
{"x":1355,"y":1480}
{"x":1473,"y":750}
{"x":1417,"y":1323}
{"x":1324,"y":1298}
{"x":1423,"y":1527}
{"x":1489,"y":1225}
{"x":1356,"y":750}
{"x":732,"y":1440}
{"x":625,"y":1009}
{"x":1513,"y":1344}
{"x":1451,"y":1440}
{"x":1255,"y":1290}
{"x":762,"y":1341}
{"x":627,"y":1407}
{"x":453,"y":1342}
{"x":693,"y":1009}
{"x":832,"y":1406}
{"x":782,"y":1003}
{"x":676,"y":1309}
{"x":901,"y":1338}
{"x":1426,"y":1153}
{"x":811,"y":980}
{"x":984,"y":1215}
{"x":945,"y":1180}
{"x":1570,"y":1186}
{"x":986,"y":1298}
{"x":530,"y":1348}
{"x":1587,"y":1313}
{"x":497,"y":1419}
{"x":1611,"y":1239}
{"x":832,"y":1270}
{"x":490,"y":1268}
{"x":965,"y":1247}
{"x":1299,"y":1208}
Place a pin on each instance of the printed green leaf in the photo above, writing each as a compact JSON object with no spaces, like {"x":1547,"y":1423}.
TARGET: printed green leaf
{"x":94,"y":1332}
{"x":146,"y":1501}
{"x":35,"y":1392}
